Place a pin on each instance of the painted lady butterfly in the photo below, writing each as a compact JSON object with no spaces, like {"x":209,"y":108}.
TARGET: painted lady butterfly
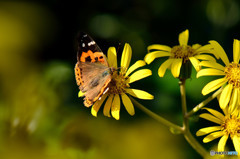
{"x":92,"y":71}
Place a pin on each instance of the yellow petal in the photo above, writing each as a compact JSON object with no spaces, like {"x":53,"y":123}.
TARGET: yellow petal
{"x":236,"y":50}
{"x":210,"y":72}
{"x":139,"y":75}
{"x":210,"y":118}
{"x":234,"y":100}
{"x":96,"y":106}
{"x":176,"y":67}
{"x":126,"y":56}
{"x":213,"y":85}
{"x":159,"y":47}
{"x":205,"y":49}
{"x":112,"y":57}
{"x":213,"y":136}
{"x":219,"y":50}
{"x":128,"y":104}
{"x":136,"y":65}
{"x":162,"y":69}
{"x":108,"y":104}
{"x":205,"y":57}
{"x":155,"y":54}
{"x":222,"y":143}
{"x":115,"y":109}
{"x":225,"y":96}
{"x":195,"y":63}
{"x":139,"y":94}
{"x":212,"y":65}
{"x":215,"y":113}
{"x":236,"y":143}
{"x":208,"y":130}
{"x":183,"y":38}
{"x":80,"y":94}
{"x":196,"y":46}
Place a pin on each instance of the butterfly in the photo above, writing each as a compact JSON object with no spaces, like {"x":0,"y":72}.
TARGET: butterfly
{"x":92,"y":71}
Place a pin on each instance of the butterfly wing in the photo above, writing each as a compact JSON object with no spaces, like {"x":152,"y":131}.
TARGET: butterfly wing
{"x":94,"y":81}
{"x":91,"y":71}
{"x":89,"y":51}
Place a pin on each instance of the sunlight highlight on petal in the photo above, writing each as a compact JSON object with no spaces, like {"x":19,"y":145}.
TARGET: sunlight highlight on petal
{"x":205,"y":57}
{"x":162,"y":69}
{"x":108,"y":104}
{"x":136,"y":65}
{"x":222,"y":143}
{"x":208,"y":130}
{"x":213,"y":85}
{"x":128,"y":104}
{"x":115,"y":109}
{"x":210,"y":118}
{"x":234,"y":100}
{"x":139,"y":94}
{"x":96,"y":106}
{"x":213,"y":136}
{"x":205,"y":49}
{"x":126,"y":56}
{"x":176,"y":67}
{"x":159,"y":47}
{"x":210,"y":72}
{"x":236,"y":143}
{"x":196,"y":46}
{"x":155,"y":54}
{"x":212,"y":65}
{"x":225,"y":96}
{"x":183,"y":38}
{"x":112,"y":57}
{"x":140,"y":74}
{"x":236,"y":51}
{"x":215,"y":113}
{"x":219,"y":50}
{"x":195,"y":63}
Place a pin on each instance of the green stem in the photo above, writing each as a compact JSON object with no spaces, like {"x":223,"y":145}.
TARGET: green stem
{"x":186,"y":131}
{"x":184,"y":103}
{"x":156,"y":116}
{"x":203,"y":103}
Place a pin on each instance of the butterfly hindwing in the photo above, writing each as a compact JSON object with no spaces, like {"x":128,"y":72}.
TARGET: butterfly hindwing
{"x":96,"y":78}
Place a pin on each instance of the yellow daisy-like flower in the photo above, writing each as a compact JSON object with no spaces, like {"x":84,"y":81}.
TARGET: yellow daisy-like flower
{"x":229,"y":125}
{"x":230,"y":72}
{"x":178,"y":55}
{"x":120,"y":84}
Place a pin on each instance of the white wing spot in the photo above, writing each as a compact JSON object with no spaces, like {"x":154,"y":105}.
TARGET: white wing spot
{"x":85,"y":35}
{"x":105,"y":90}
{"x":83,"y":44}
{"x":91,"y":43}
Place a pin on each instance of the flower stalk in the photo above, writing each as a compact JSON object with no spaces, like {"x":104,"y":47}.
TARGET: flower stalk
{"x":156,"y":116}
{"x":203,"y":103}
{"x":186,"y":131}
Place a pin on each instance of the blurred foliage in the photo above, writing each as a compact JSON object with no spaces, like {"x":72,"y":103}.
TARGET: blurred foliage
{"x":40,"y":114}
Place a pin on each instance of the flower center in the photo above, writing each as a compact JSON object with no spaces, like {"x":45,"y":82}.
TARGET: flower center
{"x":231,"y":126}
{"x":233,"y":74}
{"x":183,"y":52}
{"x":118,"y":83}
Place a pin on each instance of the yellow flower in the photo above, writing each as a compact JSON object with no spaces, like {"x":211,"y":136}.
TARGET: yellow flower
{"x":228,"y":125}
{"x":230,"y":72}
{"x":178,"y":55}
{"x":119,"y":85}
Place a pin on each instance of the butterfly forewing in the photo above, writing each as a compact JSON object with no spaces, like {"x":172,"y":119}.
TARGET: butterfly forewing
{"x":89,"y":51}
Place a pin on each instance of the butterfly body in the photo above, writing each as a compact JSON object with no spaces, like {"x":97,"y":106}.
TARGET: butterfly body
{"x":92,"y":71}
